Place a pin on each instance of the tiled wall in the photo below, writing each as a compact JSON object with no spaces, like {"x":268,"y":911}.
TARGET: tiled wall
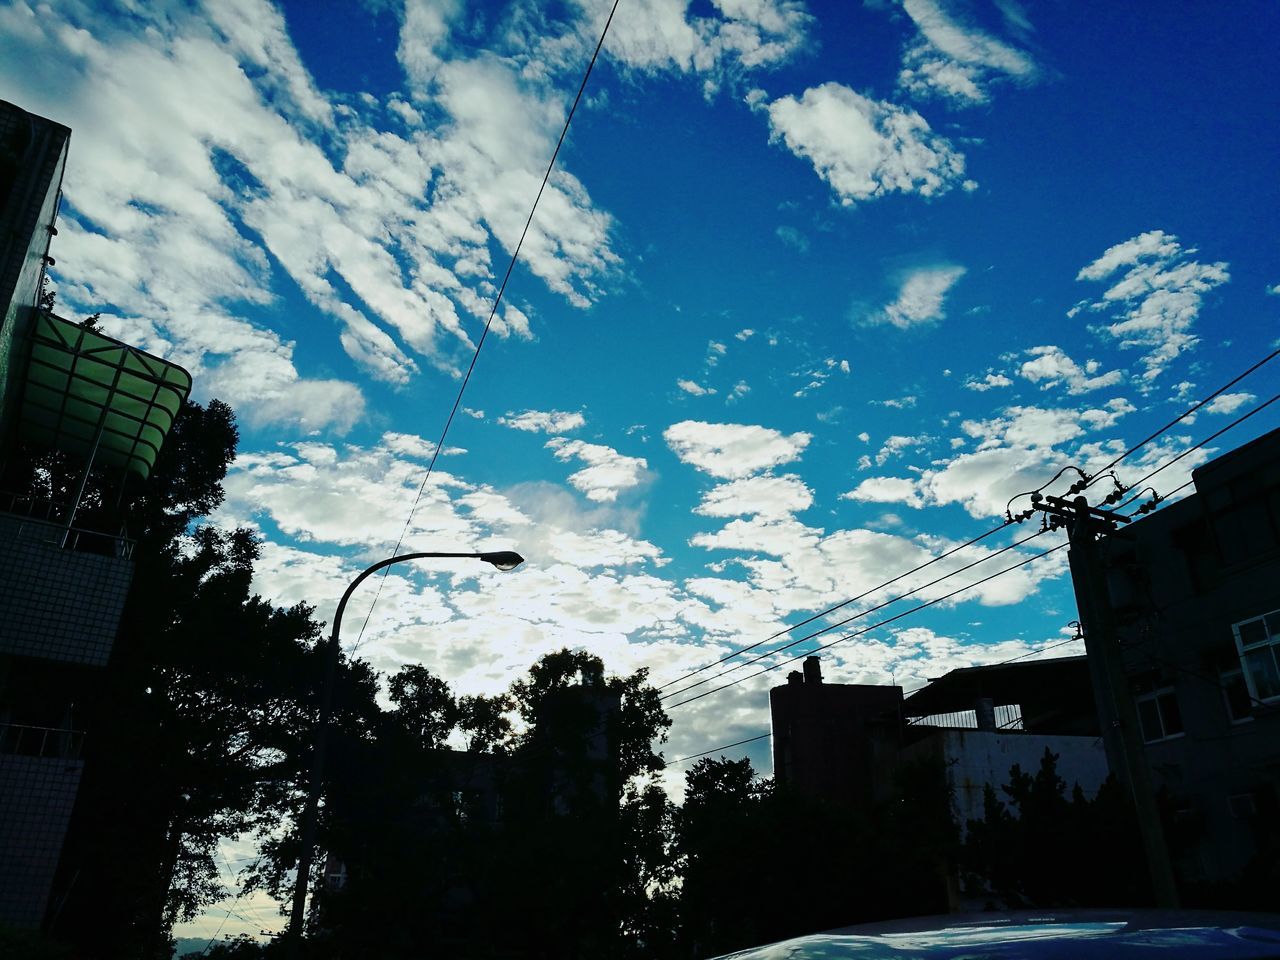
{"x":55,"y":603}
{"x":36,"y":797}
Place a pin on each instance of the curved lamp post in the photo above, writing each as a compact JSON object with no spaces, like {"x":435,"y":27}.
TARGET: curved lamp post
{"x":503,"y":560}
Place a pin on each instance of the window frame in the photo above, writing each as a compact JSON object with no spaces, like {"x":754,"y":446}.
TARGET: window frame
{"x":1155,"y":695}
{"x":1271,"y":644}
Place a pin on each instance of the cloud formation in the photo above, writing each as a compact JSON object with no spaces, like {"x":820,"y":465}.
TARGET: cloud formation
{"x":1156,"y":298}
{"x":954,"y":61}
{"x":921,"y":297}
{"x":1051,"y":366}
{"x":864,"y":148}
{"x":607,"y":471}
{"x":543,"y":421}
{"x":733,"y":450}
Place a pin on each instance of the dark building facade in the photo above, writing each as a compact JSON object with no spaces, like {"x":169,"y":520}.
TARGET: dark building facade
{"x":1194,"y":592}
{"x":830,"y":739}
{"x":64,"y":573}
{"x":846,"y":742}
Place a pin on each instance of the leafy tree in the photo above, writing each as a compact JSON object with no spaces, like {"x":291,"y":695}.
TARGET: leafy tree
{"x":424,"y":706}
{"x":1045,"y":849}
{"x":572,"y":864}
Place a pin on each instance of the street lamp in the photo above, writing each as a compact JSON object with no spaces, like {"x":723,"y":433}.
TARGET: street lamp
{"x":503,"y":560}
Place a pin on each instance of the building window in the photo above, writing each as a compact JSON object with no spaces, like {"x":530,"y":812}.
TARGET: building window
{"x":1235,"y":694}
{"x":1159,"y":714}
{"x":1258,"y":643}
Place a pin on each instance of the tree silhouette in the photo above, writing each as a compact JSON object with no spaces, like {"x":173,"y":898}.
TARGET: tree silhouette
{"x":200,"y":726}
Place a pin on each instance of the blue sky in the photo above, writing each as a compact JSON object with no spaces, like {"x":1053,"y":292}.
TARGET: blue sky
{"x":814,"y":290}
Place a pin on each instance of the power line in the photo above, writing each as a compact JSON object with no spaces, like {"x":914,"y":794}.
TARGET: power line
{"x":833,"y":609}
{"x":881,"y":623}
{"x":1209,"y":439}
{"x":497,"y":300}
{"x":856,"y":616}
{"x":763,"y":736}
{"x":695,"y":756}
{"x":1129,"y":452}
{"x":1186,"y":413}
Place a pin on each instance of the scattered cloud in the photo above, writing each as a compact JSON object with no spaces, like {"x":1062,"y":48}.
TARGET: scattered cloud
{"x":1051,"y":366}
{"x":763,"y":495}
{"x":696,"y":389}
{"x":895,"y":445}
{"x":180,"y":229}
{"x":1157,"y":297}
{"x":921,"y":297}
{"x":543,"y":421}
{"x":864,"y":148}
{"x":607,"y":472}
{"x":954,"y":61}
{"x":1228,"y":402}
{"x":898,"y":403}
{"x":989,"y":382}
{"x":793,"y":238}
{"x":733,"y":450}
{"x":886,"y":490}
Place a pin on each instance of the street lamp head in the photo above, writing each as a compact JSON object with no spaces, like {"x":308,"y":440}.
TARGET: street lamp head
{"x":503,"y":559}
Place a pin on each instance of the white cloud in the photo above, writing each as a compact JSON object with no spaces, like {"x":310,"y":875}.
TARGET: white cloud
{"x":694,"y":388}
{"x":235,"y":166}
{"x":1228,"y":402}
{"x":920,"y":297}
{"x":956,"y":61}
{"x":607,"y":472}
{"x":864,"y":148}
{"x":990,"y":382}
{"x":886,"y":490}
{"x":732,"y":450}
{"x":1274,"y":290}
{"x":793,"y":238}
{"x":1157,"y":297}
{"x":765,"y":495}
{"x":1051,"y":366}
{"x":543,"y":421}
{"x":895,"y":445}
{"x":654,"y":35}
{"x":898,"y":403}
{"x":424,"y":28}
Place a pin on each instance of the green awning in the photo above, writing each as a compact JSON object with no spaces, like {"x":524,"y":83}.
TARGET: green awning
{"x":83,"y":386}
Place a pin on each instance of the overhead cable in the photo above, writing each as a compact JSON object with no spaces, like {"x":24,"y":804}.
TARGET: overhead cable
{"x":497,"y":300}
{"x":881,"y":623}
{"x":857,"y":616}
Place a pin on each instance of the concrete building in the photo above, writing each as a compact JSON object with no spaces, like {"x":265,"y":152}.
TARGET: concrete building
{"x":65,"y":566}
{"x":1195,"y":604}
{"x":844,"y":742}
{"x":980,"y":721}
{"x":832,"y":739}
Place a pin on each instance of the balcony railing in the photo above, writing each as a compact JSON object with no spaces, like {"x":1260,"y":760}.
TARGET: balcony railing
{"x":47,"y":524}
{"x":1008,"y":719}
{"x":20,"y":740}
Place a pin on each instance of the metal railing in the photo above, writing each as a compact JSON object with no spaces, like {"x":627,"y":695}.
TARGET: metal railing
{"x":47,"y":524}
{"x":21,"y":740}
{"x":1008,"y":719}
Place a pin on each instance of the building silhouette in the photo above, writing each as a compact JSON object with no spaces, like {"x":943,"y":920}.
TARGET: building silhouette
{"x":76,"y":400}
{"x":1194,"y":593}
{"x":845,"y":743}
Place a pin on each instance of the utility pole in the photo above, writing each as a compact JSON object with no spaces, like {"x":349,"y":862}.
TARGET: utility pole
{"x":1121,"y":729}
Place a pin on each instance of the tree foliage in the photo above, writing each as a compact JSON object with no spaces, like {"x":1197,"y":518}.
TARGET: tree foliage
{"x":1044,"y":848}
